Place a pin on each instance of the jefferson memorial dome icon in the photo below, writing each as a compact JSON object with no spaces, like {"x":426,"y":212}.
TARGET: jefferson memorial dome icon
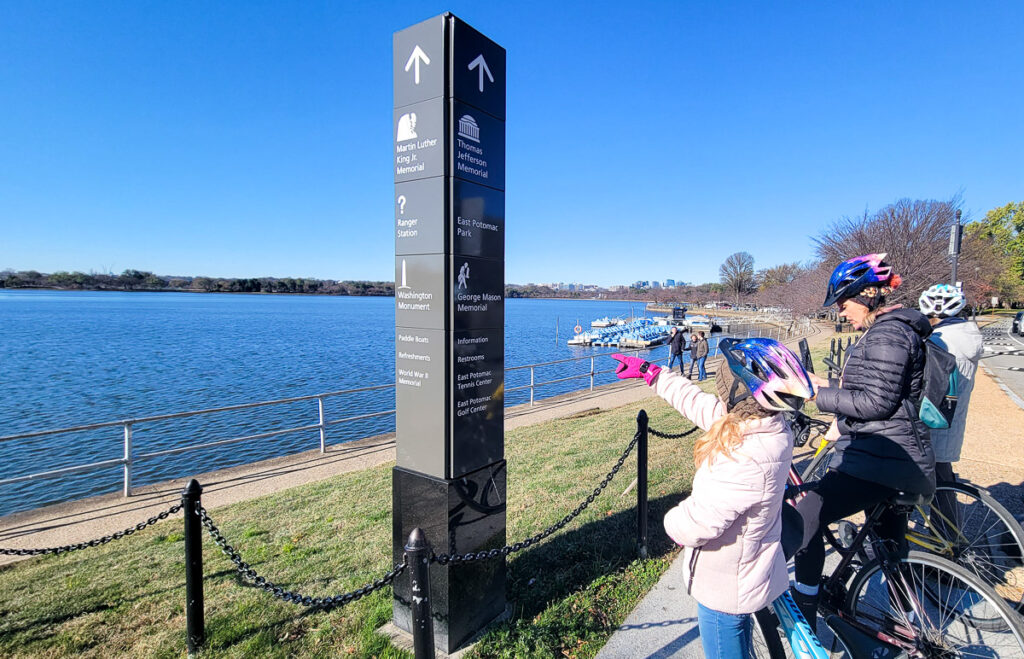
{"x":468,"y":128}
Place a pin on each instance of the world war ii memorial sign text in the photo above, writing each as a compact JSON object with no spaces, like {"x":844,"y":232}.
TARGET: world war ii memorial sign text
{"x":449,"y":169}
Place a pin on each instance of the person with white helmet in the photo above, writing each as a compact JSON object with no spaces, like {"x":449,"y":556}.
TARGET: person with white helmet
{"x":942,"y":304}
{"x":731,"y":525}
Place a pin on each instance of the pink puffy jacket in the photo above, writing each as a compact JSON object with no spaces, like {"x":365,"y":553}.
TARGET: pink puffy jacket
{"x":734,"y":513}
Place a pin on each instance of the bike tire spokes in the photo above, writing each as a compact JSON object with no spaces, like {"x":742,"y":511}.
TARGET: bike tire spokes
{"x":933,"y":612}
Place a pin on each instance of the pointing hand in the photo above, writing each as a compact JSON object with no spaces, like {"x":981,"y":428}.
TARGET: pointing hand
{"x":634,"y":367}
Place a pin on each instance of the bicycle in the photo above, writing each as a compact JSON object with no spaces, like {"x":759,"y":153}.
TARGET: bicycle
{"x":920,"y":605}
{"x":784,"y":618}
{"x":977,"y":532}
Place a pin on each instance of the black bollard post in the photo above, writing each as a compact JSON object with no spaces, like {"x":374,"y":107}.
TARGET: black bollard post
{"x":194,"y":615}
{"x":417,"y":553}
{"x":641,"y":485}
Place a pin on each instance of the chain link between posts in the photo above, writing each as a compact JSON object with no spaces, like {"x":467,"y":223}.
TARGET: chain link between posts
{"x":93,"y":543}
{"x":249,"y":574}
{"x":665,"y":435}
{"x":454,"y":559}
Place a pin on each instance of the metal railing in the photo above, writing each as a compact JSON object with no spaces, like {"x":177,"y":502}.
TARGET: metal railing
{"x":746,"y":329}
{"x":130,"y":458}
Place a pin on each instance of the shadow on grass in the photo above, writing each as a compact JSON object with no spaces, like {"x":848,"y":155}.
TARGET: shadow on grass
{"x":39,"y":629}
{"x":572,"y":559}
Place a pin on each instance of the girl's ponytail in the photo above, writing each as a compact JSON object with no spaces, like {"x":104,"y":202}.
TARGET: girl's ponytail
{"x":726,"y":434}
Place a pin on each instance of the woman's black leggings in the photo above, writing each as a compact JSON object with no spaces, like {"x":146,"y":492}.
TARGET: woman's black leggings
{"x":837,"y":496}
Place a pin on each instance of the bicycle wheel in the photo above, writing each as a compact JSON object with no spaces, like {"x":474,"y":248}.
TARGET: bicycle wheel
{"x":980,"y":535}
{"x":962,"y":616}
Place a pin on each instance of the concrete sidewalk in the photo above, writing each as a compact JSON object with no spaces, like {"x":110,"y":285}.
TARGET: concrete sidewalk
{"x":85,"y":519}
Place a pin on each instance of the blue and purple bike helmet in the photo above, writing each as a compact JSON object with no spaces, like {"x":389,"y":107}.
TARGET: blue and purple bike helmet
{"x":853,"y":276}
{"x":771,"y":372}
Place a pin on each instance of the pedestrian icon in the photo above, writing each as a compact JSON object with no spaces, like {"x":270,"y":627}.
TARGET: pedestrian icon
{"x":463,"y":276}
{"x":414,"y":62}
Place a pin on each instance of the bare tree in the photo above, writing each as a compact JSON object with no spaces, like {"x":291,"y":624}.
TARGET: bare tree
{"x":914,"y":234}
{"x":737,"y":274}
{"x":800,"y":288}
{"x":777,"y":275}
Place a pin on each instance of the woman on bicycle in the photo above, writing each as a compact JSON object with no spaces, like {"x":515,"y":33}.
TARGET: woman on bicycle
{"x":730,"y":524}
{"x":883,"y":448}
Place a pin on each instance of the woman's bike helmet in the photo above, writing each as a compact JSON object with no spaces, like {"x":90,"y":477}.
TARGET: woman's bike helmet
{"x":942,"y":300}
{"x":771,"y":372}
{"x":852,"y":276}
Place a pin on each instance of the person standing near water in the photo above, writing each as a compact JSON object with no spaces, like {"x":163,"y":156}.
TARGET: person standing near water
{"x":693,"y":353}
{"x":702,"y":356}
{"x":676,"y":343}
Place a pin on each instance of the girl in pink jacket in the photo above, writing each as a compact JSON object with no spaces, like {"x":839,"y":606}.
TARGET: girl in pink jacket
{"x":730,"y":525}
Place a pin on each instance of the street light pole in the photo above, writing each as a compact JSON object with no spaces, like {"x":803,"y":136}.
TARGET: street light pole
{"x":954,"y":243}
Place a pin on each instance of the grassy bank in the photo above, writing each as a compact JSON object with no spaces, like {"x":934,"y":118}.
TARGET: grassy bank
{"x":568,"y":592}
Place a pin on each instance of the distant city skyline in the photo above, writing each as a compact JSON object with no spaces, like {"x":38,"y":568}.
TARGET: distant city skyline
{"x":241,"y":140}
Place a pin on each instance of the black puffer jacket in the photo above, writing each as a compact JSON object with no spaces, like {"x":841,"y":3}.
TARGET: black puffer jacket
{"x":883,"y":440}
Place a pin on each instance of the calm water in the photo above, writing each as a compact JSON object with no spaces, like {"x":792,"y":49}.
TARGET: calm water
{"x":75,"y":358}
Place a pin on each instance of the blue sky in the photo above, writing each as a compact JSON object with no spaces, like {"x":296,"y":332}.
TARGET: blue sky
{"x":645,"y":141}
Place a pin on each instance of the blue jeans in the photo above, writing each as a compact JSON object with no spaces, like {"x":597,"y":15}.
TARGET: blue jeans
{"x":723,"y":635}
{"x":673,"y":361}
{"x":700,"y":368}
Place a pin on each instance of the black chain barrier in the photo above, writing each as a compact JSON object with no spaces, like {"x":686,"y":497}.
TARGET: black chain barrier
{"x":454,"y":559}
{"x":665,"y":435}
{"x":248,"y":573}
{"x":93,"y":543}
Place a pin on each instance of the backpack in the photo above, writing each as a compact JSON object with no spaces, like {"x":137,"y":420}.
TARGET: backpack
{"x":940,"y":388}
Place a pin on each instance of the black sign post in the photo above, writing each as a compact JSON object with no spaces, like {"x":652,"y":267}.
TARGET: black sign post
{"x":449,"y":169}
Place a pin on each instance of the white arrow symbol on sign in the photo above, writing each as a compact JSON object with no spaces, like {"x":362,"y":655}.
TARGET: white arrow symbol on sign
{"x":481,"y":64}
{"x":417,"y":56}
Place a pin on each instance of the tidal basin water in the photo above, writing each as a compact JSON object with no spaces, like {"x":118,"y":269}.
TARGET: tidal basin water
{"x":77,"y":358}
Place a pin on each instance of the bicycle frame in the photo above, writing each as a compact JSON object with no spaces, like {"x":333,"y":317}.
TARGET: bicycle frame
{"x":834,"y":588}
{"x":801,"y":637}
{"x":935,"y":542}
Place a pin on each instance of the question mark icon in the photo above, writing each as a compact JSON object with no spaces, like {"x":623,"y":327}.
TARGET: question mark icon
{"x":401,"y":204}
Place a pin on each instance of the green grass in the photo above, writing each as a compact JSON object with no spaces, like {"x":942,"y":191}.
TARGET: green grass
{"x":568,"y":593}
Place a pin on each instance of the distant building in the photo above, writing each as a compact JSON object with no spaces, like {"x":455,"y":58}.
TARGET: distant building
{"x":655,"y":284}
{"x":670,"y":283}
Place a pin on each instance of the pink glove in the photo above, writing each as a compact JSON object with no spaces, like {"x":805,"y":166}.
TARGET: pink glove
{"x":634,"y":367}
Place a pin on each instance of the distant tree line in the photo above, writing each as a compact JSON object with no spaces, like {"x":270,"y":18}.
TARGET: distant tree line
{"x":139,"y":280}
{"x":914,"y":234}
